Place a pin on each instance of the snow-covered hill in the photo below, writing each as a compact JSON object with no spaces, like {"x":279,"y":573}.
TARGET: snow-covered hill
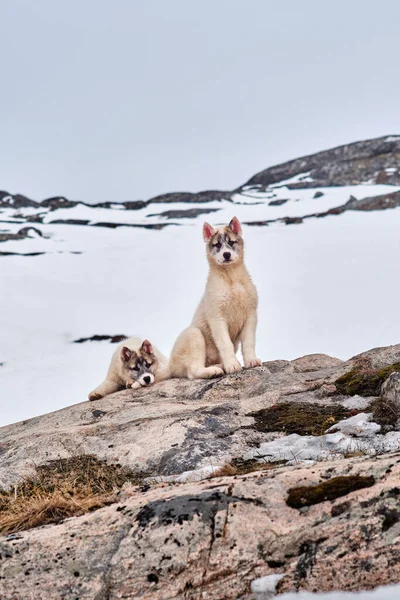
{"x":322,"y":244}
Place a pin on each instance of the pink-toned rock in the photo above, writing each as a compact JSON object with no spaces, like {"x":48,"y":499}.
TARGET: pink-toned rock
{"x":211,"y":539}
{"x":378,"y":358}
{"x":315,"y":362}
{"x":176,"y":425}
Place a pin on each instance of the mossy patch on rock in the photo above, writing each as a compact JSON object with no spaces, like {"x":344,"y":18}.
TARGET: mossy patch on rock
{"x":299,"y":417}
{"x":327,"y":490}
{"x":364,"y":381}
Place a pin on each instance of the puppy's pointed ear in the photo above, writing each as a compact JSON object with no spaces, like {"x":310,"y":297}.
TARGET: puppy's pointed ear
{"x":125,"y":353}
{"x":235,"y":226}
{"x":147,"y":347}
{"x":208,"y":231}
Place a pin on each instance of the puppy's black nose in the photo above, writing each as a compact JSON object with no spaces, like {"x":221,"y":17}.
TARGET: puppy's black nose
{"x":146,"y":380}
{"x":227,"y":255}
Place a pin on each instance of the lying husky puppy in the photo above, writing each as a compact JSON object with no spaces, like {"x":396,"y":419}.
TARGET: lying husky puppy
{"x":227,"y":313}
{"x":135,"y":363}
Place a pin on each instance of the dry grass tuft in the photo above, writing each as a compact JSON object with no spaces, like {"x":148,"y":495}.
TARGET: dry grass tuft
{"x":239,"y":466}
{"x":60,"y":489}
{"x":40,"y":510}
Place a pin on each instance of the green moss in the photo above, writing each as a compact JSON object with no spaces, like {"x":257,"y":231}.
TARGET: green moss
{"x":299,"y":417}
{"x":328,"y":490}
{"x":364,"y":381}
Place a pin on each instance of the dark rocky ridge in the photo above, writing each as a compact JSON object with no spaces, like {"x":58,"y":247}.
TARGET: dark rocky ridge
{"x":56,"y":202}
{"x":382,"y":202}
{"x":350,"y":164}
{"x":15,"y":200}
{"x":374,"y":161}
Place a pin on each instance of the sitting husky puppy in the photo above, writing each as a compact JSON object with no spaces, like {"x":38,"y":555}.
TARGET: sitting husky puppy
{"x":227,"y":313}
{"x":135,"y":363}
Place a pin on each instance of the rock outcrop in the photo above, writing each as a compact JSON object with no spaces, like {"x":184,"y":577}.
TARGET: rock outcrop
{"x":180,"y":425}
{"x":374,"y":160}
{"x":368,"y":161}
{"x":368,"y":164}
{"x":324,"y":524}
{"x":211,"y":539}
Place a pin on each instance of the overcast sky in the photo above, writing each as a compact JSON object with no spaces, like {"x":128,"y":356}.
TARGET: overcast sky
{"x":127,"y":99}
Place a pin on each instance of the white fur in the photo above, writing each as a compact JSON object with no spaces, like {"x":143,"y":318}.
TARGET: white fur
{"x":225,"y":317}
{"x":117,"y":377}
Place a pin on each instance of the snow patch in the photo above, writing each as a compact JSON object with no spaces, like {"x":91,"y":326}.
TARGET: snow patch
{"x":187,"y":476}
{"x":390,"y":592}
{"x":299,"y":178}
{"x":356,"y":402}
{"x":303,"y":273}
{"x":296,"y":448}
{"x":359,"y":426}
{"x":265,"y":587}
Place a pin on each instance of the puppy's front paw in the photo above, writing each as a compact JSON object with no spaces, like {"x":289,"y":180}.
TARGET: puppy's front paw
{"x":216,"y":371}
{"x":133,"y":385}
{"x":254,"y":362}
{"x":95,"y":395}
{"x":232,"y":366}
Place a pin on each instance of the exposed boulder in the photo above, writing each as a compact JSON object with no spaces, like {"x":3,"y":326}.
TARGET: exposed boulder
{"x":212,"y":539}
{"x":187,"y":197}
{"x":391,"y":389}
{"x":327,"y":525}
{"x":190,"y":213}
{"x":179,"y":425}
{"x":58,"y":202}
{"x":21,"y":234}
{"x":15,"y":200}
{"x":114,"y":339}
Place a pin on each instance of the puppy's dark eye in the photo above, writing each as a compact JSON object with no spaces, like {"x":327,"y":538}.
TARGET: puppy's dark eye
{"x":134,"y":368}
{"x":231,"y":243}
{"x":147,"y":364}
{"x":217,"y":245}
